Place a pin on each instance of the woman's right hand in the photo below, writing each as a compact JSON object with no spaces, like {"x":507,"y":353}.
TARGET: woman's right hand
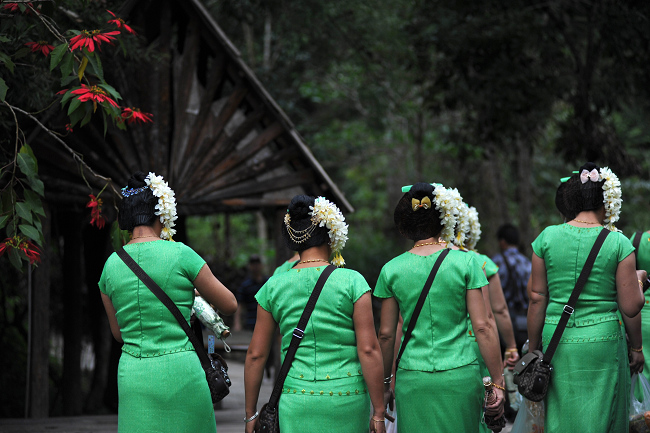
{"x":496,"y":409}
{"x":377,"y":426}
{"x":251,"y":427}
{"x":636,"y":362}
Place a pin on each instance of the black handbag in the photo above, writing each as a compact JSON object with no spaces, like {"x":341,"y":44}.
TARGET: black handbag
{"x":269,"y":421}
{"x":215,"y":367}
{"x":532,"y":374}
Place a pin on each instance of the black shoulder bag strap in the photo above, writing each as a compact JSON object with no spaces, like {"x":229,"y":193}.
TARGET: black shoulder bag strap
{"x":418,"y":306}
{"x":570,"y":305}
{"x":635,"y":244}
{"x":160,"y":294}
{"x":298,"y":333}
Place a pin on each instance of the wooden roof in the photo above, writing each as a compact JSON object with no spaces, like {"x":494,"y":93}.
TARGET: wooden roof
{"x":218,"y":136}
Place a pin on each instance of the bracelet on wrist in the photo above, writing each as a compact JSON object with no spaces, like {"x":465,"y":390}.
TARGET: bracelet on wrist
{"x":640,"y":349}
{"x":512,"y":350}
{"x":247,"y":420}
{"x":388,"y":379}
{"x":378,"y":420}
{"x":497,"y":386}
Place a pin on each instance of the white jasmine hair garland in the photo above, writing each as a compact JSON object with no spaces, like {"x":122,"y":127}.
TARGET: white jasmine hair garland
{"x":326,"y":214}
{"x":448,"y":202}
{"x":612,"y":198}
{"x":462,"y":231}
{"x":166,"y":207}
{"x":474,"y":234}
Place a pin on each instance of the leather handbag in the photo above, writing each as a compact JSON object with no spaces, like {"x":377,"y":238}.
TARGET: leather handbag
{"x":532,"y":374}
{"x":268,"y":420}
{"x":215,"y":367}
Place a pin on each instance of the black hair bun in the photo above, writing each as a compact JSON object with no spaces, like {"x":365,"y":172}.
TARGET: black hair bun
{"x":137,"y":180}
{"x":422,"y":189}
{"x":299,"y":213}
{"x":299,"y":207}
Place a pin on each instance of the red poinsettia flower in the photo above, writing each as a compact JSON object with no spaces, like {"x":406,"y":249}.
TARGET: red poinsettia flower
{"x":41,"y":46}
{"x":93,"y":93}
{"x":88,"y":39}
{"x":119,"y":22}
{"x":21,"y":243}
{"x":13,"y":7}
{"x":134,"y":115}
{"x":95,"y":205}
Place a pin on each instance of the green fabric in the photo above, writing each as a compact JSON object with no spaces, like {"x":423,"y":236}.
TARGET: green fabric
{"x":329,"y":347}
{"x":488,"y":265}
{"x":439,"y":340}
{"x":284,"y":267}
{"x":643,"y":259}
{"x":442,"y":402}
{"x":590,"y":384}
{"x":161,"y":383}
{"x":325,"y":406}
{"x":564,"y":249}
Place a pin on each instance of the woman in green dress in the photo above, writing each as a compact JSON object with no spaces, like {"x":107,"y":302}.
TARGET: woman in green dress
{"x":643,"y":263}
{"x":336,"y":373}
{"x":590,"y":382}
{"x":438,"y":384}
{"x":161,"y":384}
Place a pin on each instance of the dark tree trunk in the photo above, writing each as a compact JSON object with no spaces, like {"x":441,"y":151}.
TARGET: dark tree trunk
{"x":72,"y":310}
{"x":39,"y":390}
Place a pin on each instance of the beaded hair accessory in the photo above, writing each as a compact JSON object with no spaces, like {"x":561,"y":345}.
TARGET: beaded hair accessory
{"x":612,"y":194}
{"x":166,"y":207}
{"x":323,"y":214}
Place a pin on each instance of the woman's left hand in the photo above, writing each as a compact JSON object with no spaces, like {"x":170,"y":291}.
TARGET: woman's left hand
{"x":636,"y":361}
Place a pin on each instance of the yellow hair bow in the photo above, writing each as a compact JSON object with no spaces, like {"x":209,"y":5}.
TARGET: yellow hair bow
{"x":417,"y":204}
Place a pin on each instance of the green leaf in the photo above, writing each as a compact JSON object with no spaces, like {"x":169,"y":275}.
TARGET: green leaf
{"x":26,"y":148}
{"x":57,"y":55}
{"x":34,"y":202}
{"x":67,"y":96}
{"x":3,"y":89}
{"x":3,"y":220}
{"x":82,"y":67}
{"x":96,"y":64}
{"x":15,"y":260}
{"x":27,"y":164}
{"x":67,"y":64}
{"x":24,"y":51}
{"x":37,"y":185}
{"x":73,"y":106}
{"x":4,"y":58}
{"x":86,"y":119}
{"x":4,"y":39}
{"x":67,"y":80}
{"x":30,"y":232}
{"x":23,"y":211}
{"x":119,"y":238}
{"x":79,"y":114}
{"x":111,"y":90}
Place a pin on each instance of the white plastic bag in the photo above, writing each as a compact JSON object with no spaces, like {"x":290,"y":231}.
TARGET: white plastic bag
{"x":530,"y":417}
{"x":639,"y":404}
{"x":391,"y":427}
{"x":211,"y":320}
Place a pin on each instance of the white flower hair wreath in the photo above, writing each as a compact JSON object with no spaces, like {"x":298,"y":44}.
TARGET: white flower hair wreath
{"x":449,"y":202}
{"x":474,"y":234}
{"x":612,"y":198}
{"x":327,"y":214}
{"x":166,"y":207}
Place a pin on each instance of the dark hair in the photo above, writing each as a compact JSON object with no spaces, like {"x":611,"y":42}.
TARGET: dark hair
{"x":422,"y":223}
{"x":508,"y":233}
{"x":559,"y":202}
{"x":580,"y":196}
{"x":301,"y":220}
{"x":137,"y":209}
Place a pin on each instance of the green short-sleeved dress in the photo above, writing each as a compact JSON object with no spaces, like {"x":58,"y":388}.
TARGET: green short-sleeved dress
{"x":324,"y":390}
{"x":438,"y":385}
{"x":161,"y":384}
{"x":590,"y":383}
{"x":643,"y":259}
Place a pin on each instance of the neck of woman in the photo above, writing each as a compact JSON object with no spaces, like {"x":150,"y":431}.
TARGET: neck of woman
{"x":314,"y":256}
{"x":424,"y":247}
{"x":589,"y":218}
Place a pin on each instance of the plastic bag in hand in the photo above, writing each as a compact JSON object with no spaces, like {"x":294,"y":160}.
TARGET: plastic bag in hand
{"x":210,"y":318}
{"x":530,"y":417}
{"x":639,"y":404}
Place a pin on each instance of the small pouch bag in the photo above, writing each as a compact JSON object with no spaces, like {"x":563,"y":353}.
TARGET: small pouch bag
{"x":532,"y":374}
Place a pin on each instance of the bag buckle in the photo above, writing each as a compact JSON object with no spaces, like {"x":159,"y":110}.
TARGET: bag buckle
{"x":298,"y":333}
{"x":568,"y":309}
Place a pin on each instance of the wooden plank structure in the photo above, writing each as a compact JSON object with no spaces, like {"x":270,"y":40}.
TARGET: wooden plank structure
{"x":218,"y":136}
